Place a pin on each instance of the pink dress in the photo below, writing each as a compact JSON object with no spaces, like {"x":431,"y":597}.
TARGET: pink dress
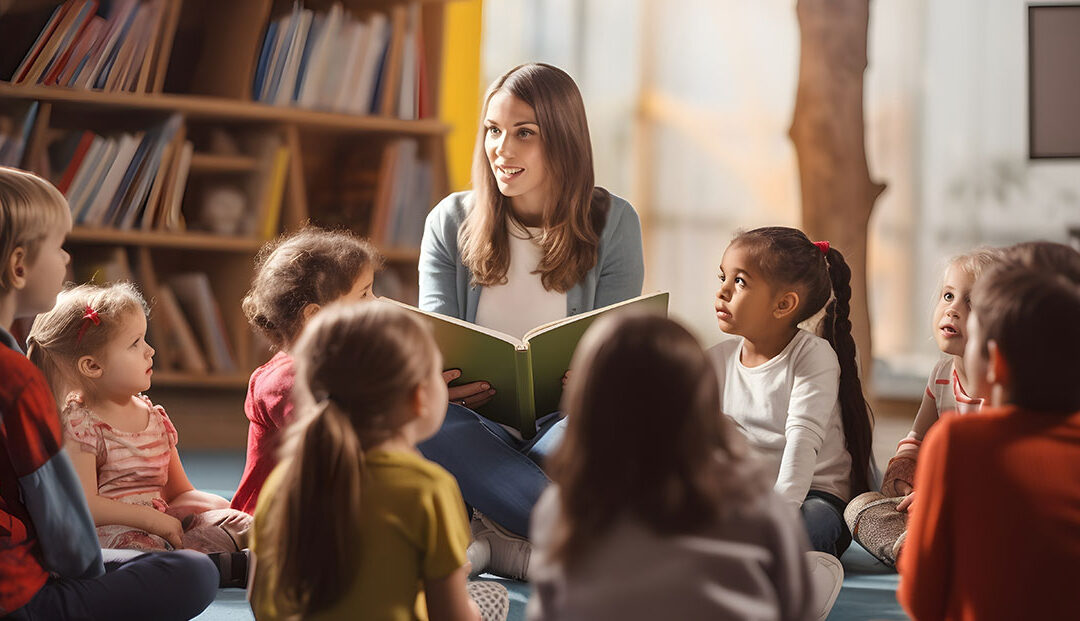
{"x":133,"y":467}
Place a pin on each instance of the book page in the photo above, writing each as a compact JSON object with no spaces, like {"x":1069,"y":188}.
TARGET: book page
{"x":552,"y":346}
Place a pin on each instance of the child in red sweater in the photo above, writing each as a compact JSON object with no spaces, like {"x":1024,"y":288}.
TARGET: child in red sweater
{"x":967,"y":557}
{"x":294,"y":278}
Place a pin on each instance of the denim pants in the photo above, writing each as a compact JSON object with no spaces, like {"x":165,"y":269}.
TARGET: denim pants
{"x":823,"y":516}
{"x":136,"y":585}
{"x":499,"y":475}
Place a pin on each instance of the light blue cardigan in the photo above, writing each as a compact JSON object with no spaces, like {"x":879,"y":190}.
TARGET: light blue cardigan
{"x":445,"y":281}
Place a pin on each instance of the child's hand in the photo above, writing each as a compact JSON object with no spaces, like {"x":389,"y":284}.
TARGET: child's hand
{"x":905,"y":504}
{"x":168,"y":528}
{"x":471,"y":395}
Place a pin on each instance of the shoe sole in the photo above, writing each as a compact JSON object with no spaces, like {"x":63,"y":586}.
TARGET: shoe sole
{"x":820,"y":561}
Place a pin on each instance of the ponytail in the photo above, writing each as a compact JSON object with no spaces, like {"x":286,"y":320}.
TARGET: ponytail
{"x":312,"y":518}
{"x":854,"y":411}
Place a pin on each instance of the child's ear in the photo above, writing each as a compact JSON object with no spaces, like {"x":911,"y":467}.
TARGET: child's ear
{"x":16,"y":268}
{"x":88,"y":367}
{"x":309,"y":311}
{"x":418,"y":402}
{"x":786,"y":304}
{"x":997,"y":367}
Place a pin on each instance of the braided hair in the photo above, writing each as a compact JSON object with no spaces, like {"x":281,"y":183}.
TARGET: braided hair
{"x":786,"y":256}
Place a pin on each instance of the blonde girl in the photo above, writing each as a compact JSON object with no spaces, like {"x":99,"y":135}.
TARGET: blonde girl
{"x":354,"y":522}
{"x":878,"y":520}
{"x":659,"y":516}
{"x":92,"y":349}
{"x":295,"y":276}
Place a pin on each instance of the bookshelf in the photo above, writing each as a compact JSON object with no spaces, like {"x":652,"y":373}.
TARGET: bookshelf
{"x":200,"y":63}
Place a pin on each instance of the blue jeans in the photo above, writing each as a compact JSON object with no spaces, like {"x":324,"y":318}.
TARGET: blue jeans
{"x":136,"y":585}
{"x":498,"y":474}
{"x":823,"y":516}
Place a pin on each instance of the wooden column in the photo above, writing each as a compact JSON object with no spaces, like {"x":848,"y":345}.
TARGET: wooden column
{"x":838,"y":194}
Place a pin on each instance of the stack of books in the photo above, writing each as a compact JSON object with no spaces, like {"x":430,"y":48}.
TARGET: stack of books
{"x":14,"y":131}
{"x":126,"y":180}
{"x":81,"y":49}
{"x":402,"y":196}
{"x":337,"y":62}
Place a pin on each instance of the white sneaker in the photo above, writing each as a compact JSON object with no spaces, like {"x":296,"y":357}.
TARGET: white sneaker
{"x":507,"y":554}
{"x":826,"y":578}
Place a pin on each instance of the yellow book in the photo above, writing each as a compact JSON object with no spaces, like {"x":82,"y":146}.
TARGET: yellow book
{"x":275,"y":193}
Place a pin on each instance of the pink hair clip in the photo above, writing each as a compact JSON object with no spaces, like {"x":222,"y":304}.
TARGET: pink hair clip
{"x":89,"y":316}
{"x":823,"y":246}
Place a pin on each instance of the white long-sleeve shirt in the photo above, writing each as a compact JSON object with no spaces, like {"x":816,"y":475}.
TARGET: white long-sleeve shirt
{"x":790,"y":414}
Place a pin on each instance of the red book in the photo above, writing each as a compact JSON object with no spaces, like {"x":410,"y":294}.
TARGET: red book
{"x":43,"y":38}
{"x":76,"y":160}
{"x":61,"y":62}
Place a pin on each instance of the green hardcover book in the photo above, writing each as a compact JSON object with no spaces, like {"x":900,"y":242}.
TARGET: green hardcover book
{"x":526,"y":373}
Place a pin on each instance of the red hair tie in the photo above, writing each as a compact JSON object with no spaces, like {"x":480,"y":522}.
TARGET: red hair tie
{"x":89,"y":316}
{"x":823,"y":246}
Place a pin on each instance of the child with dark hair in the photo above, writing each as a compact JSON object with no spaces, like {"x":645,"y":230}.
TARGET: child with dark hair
{"x":796,"y":396}
{"x":963,"y":560}
{"x":659,"y":517}
{"x":295,"y":276}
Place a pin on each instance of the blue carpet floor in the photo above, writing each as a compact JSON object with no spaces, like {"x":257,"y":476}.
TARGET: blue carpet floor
{"x":869,"y":590}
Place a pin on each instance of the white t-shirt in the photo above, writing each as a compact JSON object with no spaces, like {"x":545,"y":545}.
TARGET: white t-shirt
{"x":522,"y":303}
{"x":789,"y":411}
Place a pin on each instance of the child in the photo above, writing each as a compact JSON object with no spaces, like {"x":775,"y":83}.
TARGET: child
{"x":91,"y":347}
{"x":966,"y":556}
{"x":658,"y":517}
{"x":50,"y":562}
{"x":355,"y":523}
{"x":294,"y":278}
{"x":878,"y":520}
{"x":796,"y":396}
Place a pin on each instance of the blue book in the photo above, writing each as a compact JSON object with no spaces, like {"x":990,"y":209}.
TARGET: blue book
{"x":264,"y":59}
{"x":380,"y":79}
{"x":280,"y":59}
{"x":129,"y":175}
{"x":102,"y":77}
{"x":309,"y":44}
{"x":141,"y":186}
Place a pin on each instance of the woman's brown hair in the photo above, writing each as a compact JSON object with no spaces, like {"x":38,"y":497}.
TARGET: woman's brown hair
{"x":645,"y":437}
{"x":356,"y":367}
{"x":787,"y":258}
{"x":575,"y":218}
{"x":311,"y":266}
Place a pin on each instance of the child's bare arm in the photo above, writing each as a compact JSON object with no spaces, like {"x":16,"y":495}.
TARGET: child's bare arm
{"x":182,"y":496}
{"x":900,"y":473}
{"x":448,"y":600}
{"x":109,"y":511}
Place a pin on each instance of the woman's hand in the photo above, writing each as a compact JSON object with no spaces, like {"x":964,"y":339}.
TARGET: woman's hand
{"x":471,"y":395}
{"x":168,"y":528}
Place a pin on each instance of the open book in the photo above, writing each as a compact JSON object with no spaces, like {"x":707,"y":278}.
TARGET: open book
{"x":526,"y":373}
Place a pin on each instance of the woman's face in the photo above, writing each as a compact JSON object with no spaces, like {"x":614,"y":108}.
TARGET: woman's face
{"x":515,"y":151}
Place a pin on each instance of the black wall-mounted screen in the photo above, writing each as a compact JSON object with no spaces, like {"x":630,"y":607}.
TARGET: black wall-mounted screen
{"x":1053,"y":81}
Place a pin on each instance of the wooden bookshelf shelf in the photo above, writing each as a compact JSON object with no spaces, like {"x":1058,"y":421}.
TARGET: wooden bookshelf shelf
{"x":162,"y":239}
{"x":217,"y":108}
{"x":172,"y":379}
{"x":401,"y":255}
{"x":210,"y":162}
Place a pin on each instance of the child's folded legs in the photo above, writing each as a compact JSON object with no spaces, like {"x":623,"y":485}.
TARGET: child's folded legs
{"x":877,"y":525}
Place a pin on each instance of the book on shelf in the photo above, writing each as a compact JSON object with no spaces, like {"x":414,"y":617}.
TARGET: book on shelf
{"x":157,"y":328}
{"x":108,"y":179}
{"x":525,"y":372}
{"x":82,"y":48}
{"x":186,"y":354}
{"x":196,"y":299}
{"x":336,"y":61}
{"x":14,"y":134}
{"x":402,"y":196}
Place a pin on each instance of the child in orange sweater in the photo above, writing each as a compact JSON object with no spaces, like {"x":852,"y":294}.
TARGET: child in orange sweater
{"x":1029,"y":428}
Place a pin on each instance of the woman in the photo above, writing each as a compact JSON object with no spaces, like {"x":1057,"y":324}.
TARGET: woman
{"x":534,"y":240}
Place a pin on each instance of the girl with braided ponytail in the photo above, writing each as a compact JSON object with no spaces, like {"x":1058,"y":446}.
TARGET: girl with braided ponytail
{"x":795,"y":395}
